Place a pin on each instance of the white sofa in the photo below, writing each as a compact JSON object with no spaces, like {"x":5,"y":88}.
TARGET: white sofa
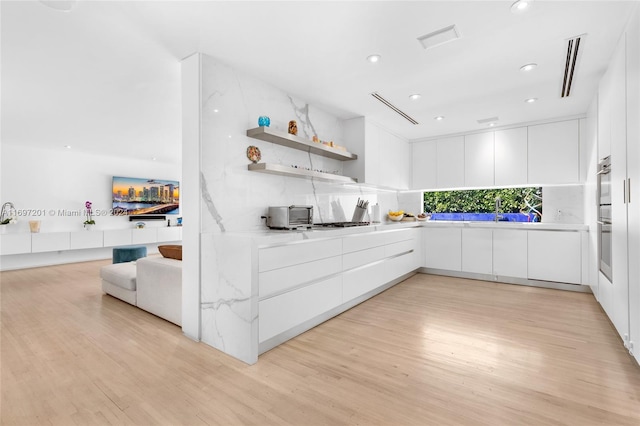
{"x":150,"y":283}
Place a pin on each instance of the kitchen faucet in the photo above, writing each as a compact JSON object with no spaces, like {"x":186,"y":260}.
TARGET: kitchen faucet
{"x":498,"y":206}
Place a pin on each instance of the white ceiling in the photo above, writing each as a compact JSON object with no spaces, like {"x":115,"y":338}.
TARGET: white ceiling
{"x":104,"y":77}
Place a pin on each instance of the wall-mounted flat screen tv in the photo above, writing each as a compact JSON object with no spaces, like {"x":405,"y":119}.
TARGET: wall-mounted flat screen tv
{"x":135,"y":196}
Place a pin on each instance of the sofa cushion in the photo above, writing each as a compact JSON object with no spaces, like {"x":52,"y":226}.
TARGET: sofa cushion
{"x":120,"y":274}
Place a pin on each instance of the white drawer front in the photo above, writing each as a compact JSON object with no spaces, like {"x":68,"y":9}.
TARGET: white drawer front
{"x":144,"y":236}
{"x":292,"y":254}
{"x":15,"y":243}
{"x":117,"y":237}
{"x":401,"y":247}
{"x":359,"y":281}
{"x":49,"y":242}
{"x":279,"y":280}
{"x":362,"y":257}
{"x":353,"y":243}
{"x":169,"y":234}
{"x":86,"y":239}
{"x":279,"y":314}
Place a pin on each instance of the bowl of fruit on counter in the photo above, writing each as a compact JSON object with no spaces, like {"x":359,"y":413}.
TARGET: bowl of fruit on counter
{"x":396,"y":216}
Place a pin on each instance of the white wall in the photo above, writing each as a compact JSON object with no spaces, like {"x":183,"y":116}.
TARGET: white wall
{"x":50,"y":181}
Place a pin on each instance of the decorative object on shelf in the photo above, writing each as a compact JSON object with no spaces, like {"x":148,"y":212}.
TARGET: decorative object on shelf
{"x":89,"y":221}
{"x":9,"y":214}
{"x":34,"y":226}
{"x":179,"y":222}
{"x":140,"y":225}
{"x":293,"y":127}
{"x":315,"y":139}
{"x":263,"y":120}
{"x":253,"y":154}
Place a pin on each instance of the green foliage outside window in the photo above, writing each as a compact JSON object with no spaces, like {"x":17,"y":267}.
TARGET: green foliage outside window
{"x":514,"y":200}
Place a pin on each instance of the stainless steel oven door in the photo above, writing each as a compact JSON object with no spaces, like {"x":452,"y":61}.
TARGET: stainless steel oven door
{"x":604,"y":181}
{"x":605,"y":249}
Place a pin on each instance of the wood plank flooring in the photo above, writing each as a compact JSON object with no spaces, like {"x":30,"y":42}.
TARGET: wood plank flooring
{"x":429,"y":351}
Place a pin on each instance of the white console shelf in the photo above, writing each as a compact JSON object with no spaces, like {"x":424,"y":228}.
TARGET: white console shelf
{"x":21,"y":243}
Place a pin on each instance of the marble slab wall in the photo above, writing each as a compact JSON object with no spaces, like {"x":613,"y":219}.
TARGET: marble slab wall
{"x":233,"y":199}
{"x":563,"y":204}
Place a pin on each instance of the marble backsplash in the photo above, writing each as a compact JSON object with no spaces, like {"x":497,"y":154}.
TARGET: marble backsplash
{"x":234,"y":198}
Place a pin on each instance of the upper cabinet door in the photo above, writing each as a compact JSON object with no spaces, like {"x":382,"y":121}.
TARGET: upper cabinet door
{"x":511,"y":157}
{"x":478,"y":159}
{"x":425,"y":159}
{"x":553,"y":153}
{"x":450,"y":162}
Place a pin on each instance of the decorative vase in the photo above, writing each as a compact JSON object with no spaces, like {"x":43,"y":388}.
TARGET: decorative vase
{"x":263,"y":120}
{"x":89,"y":226}
{"x":293,"y":127}
{"x":34,"y":226}
{"x":253,"y":154}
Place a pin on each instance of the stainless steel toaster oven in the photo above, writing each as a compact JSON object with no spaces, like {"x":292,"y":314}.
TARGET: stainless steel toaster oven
{"x":289,"y":217}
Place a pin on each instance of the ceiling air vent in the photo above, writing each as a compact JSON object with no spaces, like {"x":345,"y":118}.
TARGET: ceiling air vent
{"x":393,"y":107}
{"x":439,"y":37}
{"x":488,"y":120}
{"x":573,"y":45}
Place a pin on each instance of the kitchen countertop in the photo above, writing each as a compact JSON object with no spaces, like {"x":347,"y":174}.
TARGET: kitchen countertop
{"x":269,"y":237}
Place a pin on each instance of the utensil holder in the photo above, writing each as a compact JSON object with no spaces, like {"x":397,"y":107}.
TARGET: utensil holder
{"x":358,"y":214}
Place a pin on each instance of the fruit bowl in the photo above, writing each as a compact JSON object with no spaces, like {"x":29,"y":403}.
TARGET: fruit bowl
{"x":397,"y":218}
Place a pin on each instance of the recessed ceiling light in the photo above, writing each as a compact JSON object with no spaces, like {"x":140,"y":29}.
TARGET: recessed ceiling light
{"x":492,"y":124}
{"x":154,"y":158}
{"x":521,"y":6}
{"x":531,"y":100}
{"x":68,"y":146}
{"x":528,"y":67}
{"x":216,"y":110}
{"x":374,"y":58}
{"x":415,"y":96}
{"x":438,"y":118}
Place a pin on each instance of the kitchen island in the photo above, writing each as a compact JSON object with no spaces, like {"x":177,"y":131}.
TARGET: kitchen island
{"x":266,"y":287}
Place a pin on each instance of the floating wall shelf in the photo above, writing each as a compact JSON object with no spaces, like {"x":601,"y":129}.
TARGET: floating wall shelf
{"x":285,"y":139}
{"x":279,"y":169}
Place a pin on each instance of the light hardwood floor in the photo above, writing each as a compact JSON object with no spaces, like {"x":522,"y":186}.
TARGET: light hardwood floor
{"x":431,"y":350}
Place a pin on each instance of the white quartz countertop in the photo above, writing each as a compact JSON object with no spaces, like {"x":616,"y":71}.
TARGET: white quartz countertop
{"x":268,"y":237}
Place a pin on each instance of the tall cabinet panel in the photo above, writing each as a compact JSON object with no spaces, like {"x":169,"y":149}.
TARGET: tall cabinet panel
{"x":620,"y":279}
{"x":425,"y":159}
{"x":553,"y":153}
{"x":633,"y":174}
{"x":479,"y":159}
{"x":450,"y":165}
{"x":511,"y":156}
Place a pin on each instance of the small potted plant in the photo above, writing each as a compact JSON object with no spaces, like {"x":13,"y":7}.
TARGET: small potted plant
{"x":89,"y":223}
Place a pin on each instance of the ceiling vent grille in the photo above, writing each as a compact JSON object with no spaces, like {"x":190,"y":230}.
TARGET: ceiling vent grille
{"x":573,"y":46}
{"x":439,"y":37}
{"x":488,"y":120}
{"x":394,"y":108}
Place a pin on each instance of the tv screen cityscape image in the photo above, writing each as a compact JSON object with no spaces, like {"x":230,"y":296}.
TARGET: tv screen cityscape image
{"x":135,"y":196}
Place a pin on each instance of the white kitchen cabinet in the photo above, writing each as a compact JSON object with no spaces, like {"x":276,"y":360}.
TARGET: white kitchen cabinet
{"x":86,"y":239}
{"x":383,"y":158}
{"x":286,"y":311}
{"x":477,"y":251}
{"x":425,"y":165}
{"x":297,"y":253}
{"x":443,"y":248}
{"x":554,"y":256}
{"x":553,"y":153}
{"x":52,"y":241}
{"x":510,"y":253}
{"x":450,"y":166}
{"x":17,"y":243}
{"x":282,"y":279}
{"x":479,"y":159}
{"x":511,"y":156}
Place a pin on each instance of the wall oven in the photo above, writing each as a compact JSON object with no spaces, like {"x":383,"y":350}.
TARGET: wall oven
{"x":604,"y":217}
